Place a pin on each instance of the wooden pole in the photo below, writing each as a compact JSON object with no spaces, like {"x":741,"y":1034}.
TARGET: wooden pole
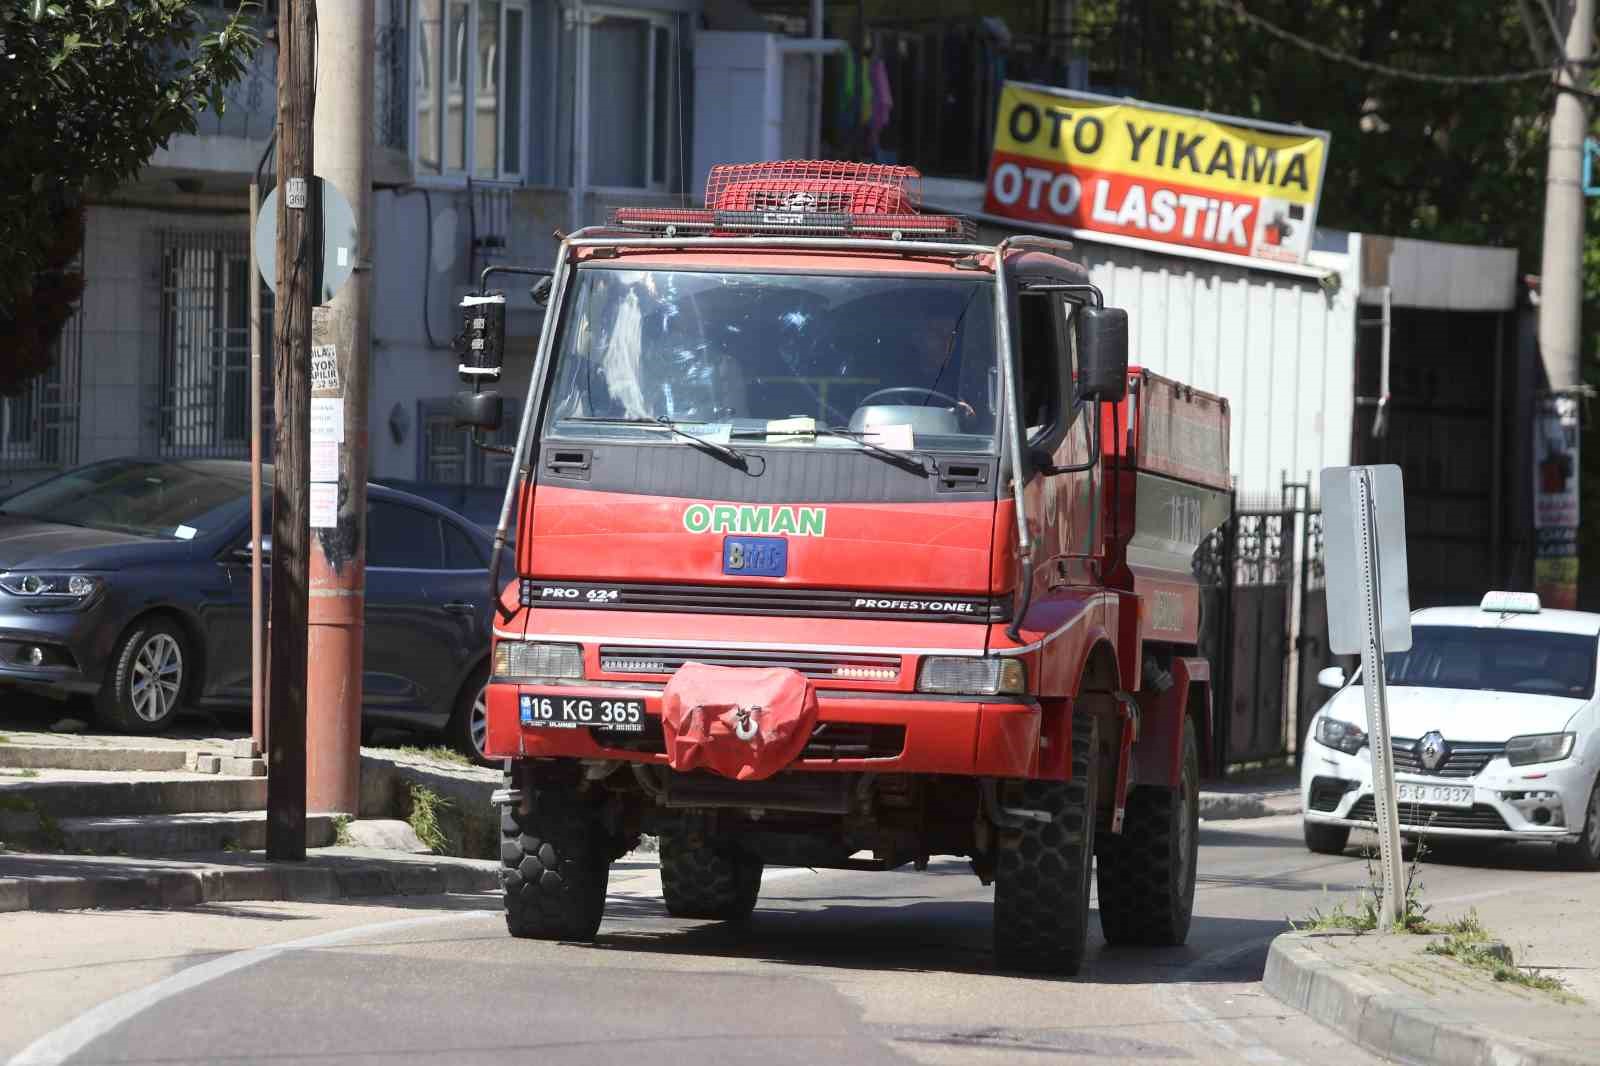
{"x":298,"y":255}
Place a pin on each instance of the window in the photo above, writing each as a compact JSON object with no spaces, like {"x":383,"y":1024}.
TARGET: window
{"x":39,"y":425}
{"x":1496,"y":660}
{"x":469,"y":87}
{"x":628,"y":100}
{"x":448,"y":456}
{"x":205,"y":345}
{"x":1041,"y":328}
{"x":402,"y":538}
{"x":461,"y":551}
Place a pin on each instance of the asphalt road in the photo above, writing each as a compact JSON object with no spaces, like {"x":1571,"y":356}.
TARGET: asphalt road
{"x":851,"y":967}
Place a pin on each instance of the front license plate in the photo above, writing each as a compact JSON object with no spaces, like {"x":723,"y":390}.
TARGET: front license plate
{"x":1432,"y":795}
{"x":576,"y":712}
{"x":755,"y":556}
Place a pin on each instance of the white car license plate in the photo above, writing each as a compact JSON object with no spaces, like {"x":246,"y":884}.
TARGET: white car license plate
{"x":1433,"y":795}
{"x":574,"y":712}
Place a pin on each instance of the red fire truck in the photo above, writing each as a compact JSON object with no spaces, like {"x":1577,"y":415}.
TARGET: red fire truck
{"x":845,"y":540}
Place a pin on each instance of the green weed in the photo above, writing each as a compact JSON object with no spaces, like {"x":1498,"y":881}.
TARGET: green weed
{"x":341,"y":830}
{"x":1492,"y":959}
{"x":436,"y":753}
{"x":426,"y":806}
{"x":25,"y":772}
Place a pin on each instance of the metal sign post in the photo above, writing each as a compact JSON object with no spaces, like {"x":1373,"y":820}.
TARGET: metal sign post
{"x":1368,"y":614}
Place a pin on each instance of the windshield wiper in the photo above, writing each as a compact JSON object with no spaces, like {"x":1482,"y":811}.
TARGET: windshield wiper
{"x":915,"y":462}
{"x":731,"y":456}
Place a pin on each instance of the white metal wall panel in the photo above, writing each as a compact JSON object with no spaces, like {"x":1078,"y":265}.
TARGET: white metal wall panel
{"x":1280,"y":348}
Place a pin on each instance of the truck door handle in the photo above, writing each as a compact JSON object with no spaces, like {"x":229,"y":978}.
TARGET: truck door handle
{"x":461,"y":607}
{"x":569,"y":462}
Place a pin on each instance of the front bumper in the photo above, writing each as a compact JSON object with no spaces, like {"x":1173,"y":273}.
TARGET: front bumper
{"x":884,"y":732}
{"x":1543,"y":801}
{"x":67,"y":641}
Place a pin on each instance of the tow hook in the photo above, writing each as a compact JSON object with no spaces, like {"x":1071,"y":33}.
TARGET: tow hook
{"x":1006,"y":817}
{"x":505,"y":797}
{"x":744,"y":726}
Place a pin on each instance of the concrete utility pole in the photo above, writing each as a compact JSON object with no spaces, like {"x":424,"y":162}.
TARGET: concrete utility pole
{"x":1560,"y":305}
{"x":338,"y":553}
{"x":298,"y":254}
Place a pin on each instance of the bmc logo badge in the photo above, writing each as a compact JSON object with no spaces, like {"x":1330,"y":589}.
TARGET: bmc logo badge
{"x":747,"y":518}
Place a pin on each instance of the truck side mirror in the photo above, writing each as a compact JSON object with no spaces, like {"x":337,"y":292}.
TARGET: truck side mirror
{"x":1331,"y":677}
{"x":478,"y":410}
{"x":1102,"y":353}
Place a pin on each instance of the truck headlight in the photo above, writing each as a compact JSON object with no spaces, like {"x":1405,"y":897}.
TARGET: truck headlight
{"x":521,"y":658}
{"x":1344,"y":736}
{"x":1539,"y":747}
{"x":972,"y":676}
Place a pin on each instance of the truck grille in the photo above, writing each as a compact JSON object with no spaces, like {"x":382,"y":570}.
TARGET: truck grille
{"x":1463,"y":759}
{"x":763,"y":600}
{"x":824,"y":666}
{"x":1480,"y":816}
{"x":829,"y":740}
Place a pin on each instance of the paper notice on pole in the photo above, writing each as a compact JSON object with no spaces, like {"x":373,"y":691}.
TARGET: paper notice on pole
{"x":324,"y":367}
{"x":324,"y":461}
{"x":324,"y":505}
{"x":327,"y":419}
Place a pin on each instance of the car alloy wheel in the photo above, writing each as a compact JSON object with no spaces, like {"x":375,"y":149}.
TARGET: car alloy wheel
{"x":478,"y":723}
{"x":157,"y":678}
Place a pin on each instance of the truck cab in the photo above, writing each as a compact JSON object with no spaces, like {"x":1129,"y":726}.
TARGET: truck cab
{"x":846,"y":541}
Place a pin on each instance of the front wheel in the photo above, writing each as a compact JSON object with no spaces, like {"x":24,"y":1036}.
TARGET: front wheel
{"x":1326,"y":839}
{"x":1584,"y":853}
{"x":1041,"y":891}
{"x":147,"y":679}
{"x":1147,"y":873}
{"x":555,"y":862}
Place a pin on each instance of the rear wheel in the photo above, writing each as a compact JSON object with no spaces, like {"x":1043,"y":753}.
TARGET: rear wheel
{"x":147,"y":679}
{"x":555,"y":862}
{"x":469,"y":725}
{"x":1041,"y":892}
{"x":1147,"y":873}
{"x":1326,"y":839}
{"x":699,"y":881}
{"x":1584,"y":853}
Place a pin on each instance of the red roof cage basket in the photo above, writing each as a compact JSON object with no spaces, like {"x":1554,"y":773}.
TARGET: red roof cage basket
{"x":810,"y":198}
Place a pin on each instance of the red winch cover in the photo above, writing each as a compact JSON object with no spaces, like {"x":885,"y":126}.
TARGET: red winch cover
{"x":739,"y":723}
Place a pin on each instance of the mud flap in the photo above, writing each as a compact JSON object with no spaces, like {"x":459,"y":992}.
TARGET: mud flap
{"x":738,"y":723}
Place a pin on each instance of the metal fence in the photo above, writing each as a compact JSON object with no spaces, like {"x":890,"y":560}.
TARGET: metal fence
{"x":204,"y":400}
{"x":39,"y":426}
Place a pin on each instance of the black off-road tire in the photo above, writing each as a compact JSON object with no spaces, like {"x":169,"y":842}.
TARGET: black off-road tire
{"x":699,"y":881}
{"x":151,"y":647}
{"x":1041,"y":891}
{"x":1147,"y":873}
{"x":555,"y":862}
{"x":1584,"y":854}
{"x":1325,"y":839}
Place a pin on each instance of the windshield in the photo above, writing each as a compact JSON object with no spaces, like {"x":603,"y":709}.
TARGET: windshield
{"x":178,"y":500}
{"x":766,"y":357}
{"x":1496,"y":660}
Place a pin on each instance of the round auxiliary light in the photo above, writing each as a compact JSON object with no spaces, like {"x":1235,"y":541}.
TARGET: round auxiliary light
{"x":36,"y":655}
{"x":31,"y":585}
{"x":78,"y":585}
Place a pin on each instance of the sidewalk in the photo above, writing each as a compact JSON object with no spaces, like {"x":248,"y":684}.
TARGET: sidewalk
{"x":1388,"y":994}
{"x":1256,"y":796}
{"x":51,"y":881}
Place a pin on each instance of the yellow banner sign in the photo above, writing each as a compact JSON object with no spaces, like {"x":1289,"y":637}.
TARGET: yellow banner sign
{"x":1140,"y":170}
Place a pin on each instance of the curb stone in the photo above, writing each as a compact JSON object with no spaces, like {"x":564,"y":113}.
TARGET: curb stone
{"x":188,"y":888}
{"x":1392,"y":1024}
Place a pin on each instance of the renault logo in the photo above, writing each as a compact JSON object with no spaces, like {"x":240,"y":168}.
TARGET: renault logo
{"x":1432,"y":750}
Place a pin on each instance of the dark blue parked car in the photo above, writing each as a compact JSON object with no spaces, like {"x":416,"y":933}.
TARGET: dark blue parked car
{"x":128,"y":581}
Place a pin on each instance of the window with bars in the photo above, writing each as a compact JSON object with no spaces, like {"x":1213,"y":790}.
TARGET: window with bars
{"x":39,"y":426}
{"x":205,"y":345}
{"x":447,"y":454}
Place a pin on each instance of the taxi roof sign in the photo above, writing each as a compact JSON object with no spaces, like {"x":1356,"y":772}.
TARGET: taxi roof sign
{"x":1512,"y":602}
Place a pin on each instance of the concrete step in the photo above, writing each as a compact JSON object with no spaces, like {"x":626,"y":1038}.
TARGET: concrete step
{"x":70,"y":757}
{"x":172,"y":834}
{"x":86,"y":793}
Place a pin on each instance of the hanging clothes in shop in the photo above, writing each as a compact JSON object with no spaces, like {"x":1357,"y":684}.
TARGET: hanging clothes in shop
{"x":882,"y":104}
{"x":847,"y":110}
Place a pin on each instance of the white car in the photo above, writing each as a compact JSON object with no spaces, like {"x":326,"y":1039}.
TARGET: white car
{"x":1495,"y":728}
